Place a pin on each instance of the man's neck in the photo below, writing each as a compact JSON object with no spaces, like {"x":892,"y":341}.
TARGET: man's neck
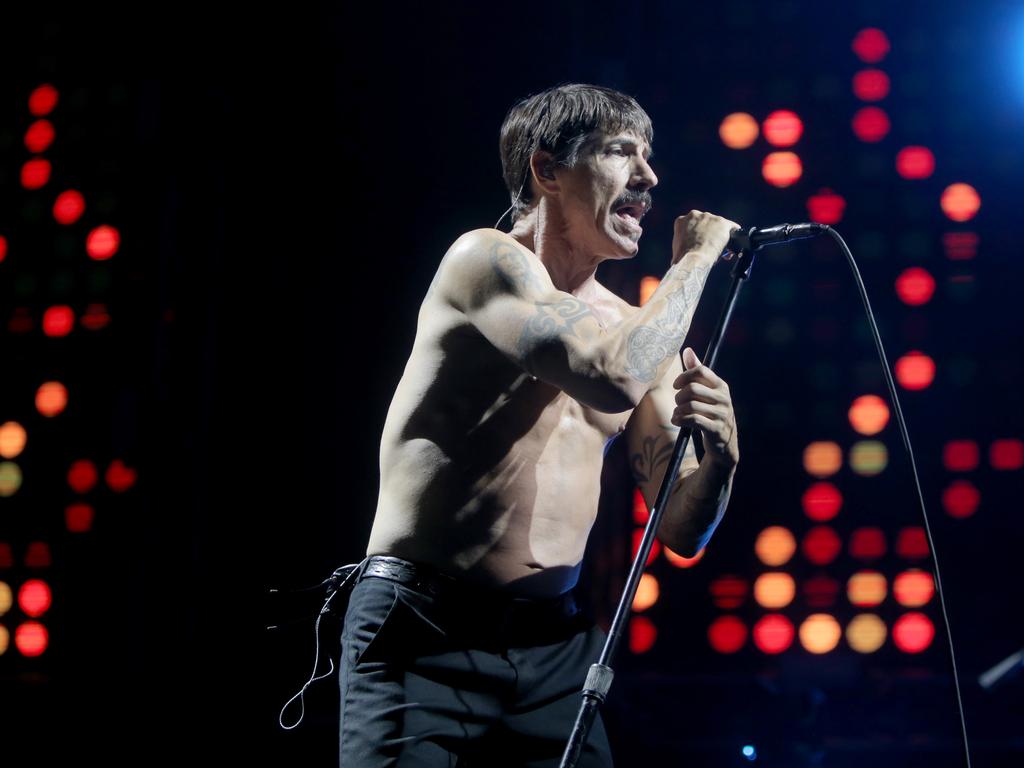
{"x":571,"y":270}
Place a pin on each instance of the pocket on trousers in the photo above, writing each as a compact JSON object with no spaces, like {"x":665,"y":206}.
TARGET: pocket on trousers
{"x":405,"y":631}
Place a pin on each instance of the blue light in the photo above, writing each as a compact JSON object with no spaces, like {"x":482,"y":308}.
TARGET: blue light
{"x":750,"y":753}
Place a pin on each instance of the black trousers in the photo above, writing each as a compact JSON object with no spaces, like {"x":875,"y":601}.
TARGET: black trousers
{"x":462,"y":677}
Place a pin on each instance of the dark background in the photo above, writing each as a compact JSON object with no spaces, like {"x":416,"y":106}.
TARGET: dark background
{"x":286,"y":183}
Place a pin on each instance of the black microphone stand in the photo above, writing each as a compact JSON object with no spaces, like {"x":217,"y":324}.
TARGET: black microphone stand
{"x":599,"y":677}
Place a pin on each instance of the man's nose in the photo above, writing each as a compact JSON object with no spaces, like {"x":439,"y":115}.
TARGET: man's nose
{"x":644,"y":177}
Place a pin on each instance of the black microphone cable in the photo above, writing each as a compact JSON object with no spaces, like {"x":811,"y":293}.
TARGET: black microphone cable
{"x":904,"y":434}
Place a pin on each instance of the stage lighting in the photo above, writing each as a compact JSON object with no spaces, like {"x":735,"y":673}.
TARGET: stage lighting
{"x":729,"y":592}
{"x":913,"y":588}
{"x":871,"y":45}
{"x":867,"y":543}
{"x":783,"y":128}
{"x":821,"y":545}
{"x":915,"y":286}
{"x":43,"y":100}
{"x":866,"y":588}
{"x":82,"y":476}
{"x":642,"y":634}
{"x":826,"y":207}
{"x":866,"y":633}
{"x":912,"y":543}
{"x":782,"y":169}
{"x":775,"y":545}
{"x":774,"y":590}
{"x":38,"y":555}
{"x":960,"y":246}
{"x":1006,"y":454}
{"x":51,"y":398}
{"x":915,"y":162}
{"x":35,"y":173}
{"x":68,"y":207}
{"x":960,"y":202}
{"x":913,"y":632}
{"x":749,"y":752}
{"x":871,"y":85}
{"x":31,"y":638}
{"x":6,"y":597}
{"x":102,"y":242}
{"x":915,"y":370}
{"x":39,"y":136}
{"x":12,"y":439}
{"x":35,"y":598}
{"x":821,"y":502}
{"x":960,"y":455}
{"x":820,"y":591}
{"x":78,"y":517}
{"x":647,"y":593}
{"x":773,"y":633}
{"x":961,"y":499}
{"x":822,"y":458}
{"x":868,"y":457}
{"x":869,"y":414}
{"x":727,"y":634}
{"x":820,"y":633}
{"x":638,"y":535}
{"x":10,"y":478}
{"x":738,"y":130}
{"x":58,"y":321}
{"x":648,"y":285}
{"x":870,"y":124}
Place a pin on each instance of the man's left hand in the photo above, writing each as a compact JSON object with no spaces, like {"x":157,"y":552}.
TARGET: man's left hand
{"x":703,"y":402}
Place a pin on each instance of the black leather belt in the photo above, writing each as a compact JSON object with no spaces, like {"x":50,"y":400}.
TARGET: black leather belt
{"x":440,"y":585}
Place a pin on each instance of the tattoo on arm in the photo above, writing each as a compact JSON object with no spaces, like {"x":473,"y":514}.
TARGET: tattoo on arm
{"x":648,"y":346}
{"x":553,"y":318}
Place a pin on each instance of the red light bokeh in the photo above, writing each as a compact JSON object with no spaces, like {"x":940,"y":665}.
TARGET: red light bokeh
{"x":961,"y":499}
{"x":871,"y":85}
{"x":821,"y":502}
{"x":1006,"y":454}
{"x":867,"y":543}
{"x":782,"y":128}
{"x":870,"y":124}
{"x":821,"y":545}
{"x":913,"y":632}
{"x":960,"y":455}
{"x":826,"y":207}
{"x":773,"y":633}
{"x":727,"y":634}
{"x":915,"y":163}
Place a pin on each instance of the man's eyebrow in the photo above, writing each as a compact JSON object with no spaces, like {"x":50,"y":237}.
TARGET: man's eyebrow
{"x":631,"y":141}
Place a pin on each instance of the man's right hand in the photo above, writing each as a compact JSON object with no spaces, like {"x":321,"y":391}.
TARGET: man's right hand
{"x":703,"y":233}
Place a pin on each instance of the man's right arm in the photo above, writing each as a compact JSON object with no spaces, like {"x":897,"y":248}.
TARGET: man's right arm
{"x":506,"y":293}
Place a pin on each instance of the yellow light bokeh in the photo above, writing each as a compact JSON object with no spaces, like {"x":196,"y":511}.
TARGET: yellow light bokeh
{"x":782,"y":169}
{"x":12,"y":439}
{"x":774,"y":590}
{"x":913,"y":588}
{"x":648,"y":285}
{"x":822,"y":458}
{"x":6,"y":597}
{"x":738,"y":130}
{"x":820,"y":633}
{"x":10,"y":478}
{"x":775,"y":545}
{"x":51,"y":398}
{"x":869,"y":414}
{"x":647,"y":593}
{"x":868,"y":457}
{"x":866,"y":588}
{"x":866,"y":633}
{"x":5,"y":639}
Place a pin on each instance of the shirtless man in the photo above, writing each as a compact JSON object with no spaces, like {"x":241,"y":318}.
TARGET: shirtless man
{"x":462,"y":641}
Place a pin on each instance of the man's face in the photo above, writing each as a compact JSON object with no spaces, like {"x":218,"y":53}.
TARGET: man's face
{"x":606,"y":194}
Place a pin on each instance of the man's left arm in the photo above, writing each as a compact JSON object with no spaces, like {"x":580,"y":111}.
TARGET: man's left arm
{"x":699,"y":398}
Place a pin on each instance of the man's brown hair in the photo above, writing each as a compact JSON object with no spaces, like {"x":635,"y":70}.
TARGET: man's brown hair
{"x":561,"y":120}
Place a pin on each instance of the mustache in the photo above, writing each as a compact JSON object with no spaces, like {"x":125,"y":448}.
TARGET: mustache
{"x":634,"y":197}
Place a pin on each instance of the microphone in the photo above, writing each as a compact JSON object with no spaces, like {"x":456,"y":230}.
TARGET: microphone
{"x":755,"y":239}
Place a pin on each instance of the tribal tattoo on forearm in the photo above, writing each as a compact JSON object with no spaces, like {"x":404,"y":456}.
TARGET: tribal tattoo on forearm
{"x":648,"y":346}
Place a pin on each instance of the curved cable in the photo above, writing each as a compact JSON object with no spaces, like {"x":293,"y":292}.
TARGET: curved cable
{"x":905,"y":435}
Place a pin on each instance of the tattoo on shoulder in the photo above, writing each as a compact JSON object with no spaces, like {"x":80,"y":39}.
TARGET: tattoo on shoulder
{"x":648,"y":346}
{"x":552,"y":318}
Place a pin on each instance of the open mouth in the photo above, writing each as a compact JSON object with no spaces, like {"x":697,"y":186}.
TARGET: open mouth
{"x":631,"y":213}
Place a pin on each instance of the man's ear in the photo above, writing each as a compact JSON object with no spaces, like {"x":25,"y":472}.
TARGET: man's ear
{"x":542,"y":166}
